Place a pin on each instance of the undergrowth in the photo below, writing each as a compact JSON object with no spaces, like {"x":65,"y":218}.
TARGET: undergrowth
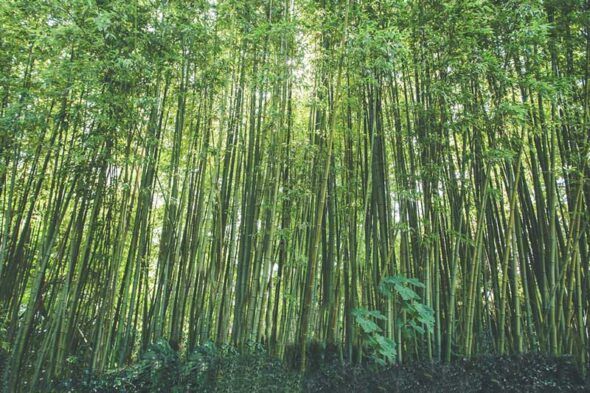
{"x":212,"y":369}
{"x":207,"y":369}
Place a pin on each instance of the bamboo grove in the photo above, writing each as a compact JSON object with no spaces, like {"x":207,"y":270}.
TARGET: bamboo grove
{"x":248,"y":171}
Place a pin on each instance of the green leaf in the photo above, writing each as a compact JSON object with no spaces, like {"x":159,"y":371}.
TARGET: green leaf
{"x":406,"y":293}
{"x":387,"y":347}
{"x":368,"y":326}
{"x":415,"y":282}
{"x":425,"y":315}
{"x":362,"y":317}
{"x":415,"y":326}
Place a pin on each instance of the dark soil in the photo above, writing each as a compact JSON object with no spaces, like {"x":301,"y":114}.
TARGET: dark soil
{"x":208,"y":369}
{"x":3,"y":365}
{"x":528,"y":373}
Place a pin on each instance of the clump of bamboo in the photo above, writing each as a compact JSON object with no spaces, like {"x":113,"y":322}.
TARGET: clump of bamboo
{"x":249,"y":171}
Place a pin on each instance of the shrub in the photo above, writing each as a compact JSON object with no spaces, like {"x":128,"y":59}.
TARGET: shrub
{"x":415,"y":317}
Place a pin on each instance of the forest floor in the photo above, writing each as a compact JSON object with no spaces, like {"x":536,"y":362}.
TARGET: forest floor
{"x":211,"y":370}
{"x":529,"y":373}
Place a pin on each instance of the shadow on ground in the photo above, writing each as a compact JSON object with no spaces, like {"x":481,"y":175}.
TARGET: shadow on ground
{"x":211,"y":369}
{"x":527,"y":373}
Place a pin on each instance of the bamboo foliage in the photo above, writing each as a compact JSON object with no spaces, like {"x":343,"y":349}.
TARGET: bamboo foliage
{"x":248,"y":172}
